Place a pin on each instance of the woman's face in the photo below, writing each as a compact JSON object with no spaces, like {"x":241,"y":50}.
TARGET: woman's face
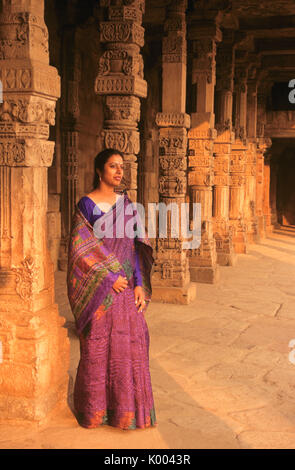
{"x":113,"y":170}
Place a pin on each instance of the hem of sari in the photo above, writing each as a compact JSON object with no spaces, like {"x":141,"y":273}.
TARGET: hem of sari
{"x":125,"y":421}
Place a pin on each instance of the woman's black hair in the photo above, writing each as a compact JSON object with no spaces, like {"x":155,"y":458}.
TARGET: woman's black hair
{"x":100,"y":160}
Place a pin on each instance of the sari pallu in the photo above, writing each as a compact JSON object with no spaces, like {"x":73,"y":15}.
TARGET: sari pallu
{"x":113,"y":384}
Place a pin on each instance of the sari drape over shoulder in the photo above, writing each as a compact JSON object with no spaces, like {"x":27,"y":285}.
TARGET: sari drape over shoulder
{"x":113,"y":383}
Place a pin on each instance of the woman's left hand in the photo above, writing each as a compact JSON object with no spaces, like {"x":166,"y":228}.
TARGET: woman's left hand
{"x":139,"y":298}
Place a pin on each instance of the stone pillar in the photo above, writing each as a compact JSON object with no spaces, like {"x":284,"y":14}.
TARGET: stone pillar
{"x":262,"y":209}
{"x":222,"y":151}
{"x":33,"y":372}
{"x":203,"y":267}
{"x":250,"y":181}
{"x":70,"y":113}
{"x":238,"y":163}
{"x":266,"y":195}
{"x":260,"y":187}
{"x":273,"y":192}
{"x":120,"y":81}
{"x":171,"y":279}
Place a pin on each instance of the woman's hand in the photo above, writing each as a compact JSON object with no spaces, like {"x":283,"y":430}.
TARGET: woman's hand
{"x":139,"y":298}
{"x":120,"y":284}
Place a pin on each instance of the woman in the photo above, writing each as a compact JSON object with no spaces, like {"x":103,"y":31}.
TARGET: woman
{"x":109,"y":289}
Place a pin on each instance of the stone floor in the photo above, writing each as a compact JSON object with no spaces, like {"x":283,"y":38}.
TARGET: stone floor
{"x":222,"y":370}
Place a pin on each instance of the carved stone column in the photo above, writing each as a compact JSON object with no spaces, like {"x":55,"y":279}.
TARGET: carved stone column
{"x":120,"y":81}
{"x":273,"y":192}
{"x":171,"y":279}
{"x":238,"y":163}
{"x":250,"y":182}
{"x":267,"y":213}
{"x":260,"y":187}
{"x":222,"y":150}
{"x":70,"y":113}
{"x":33,"y":373}
{"x":203,"y":267}
{"x":262,"y":210}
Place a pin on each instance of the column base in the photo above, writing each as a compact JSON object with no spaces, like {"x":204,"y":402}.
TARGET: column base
{"x":62,"y":262}
{"x":34,"y":368}
{"x":269,"y":229}
{"x":205,"y":274}
{"x":261,"y":226}
{"x":240,"y":247}
{"x":253,"y":237}
{"x":174,"y":295}
{"x":226,"y":259}
{"x":20,"y":411}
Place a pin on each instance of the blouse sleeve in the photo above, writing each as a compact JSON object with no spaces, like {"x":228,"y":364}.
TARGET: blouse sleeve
{"x":137,"y":273}
{"x":85,"y":209}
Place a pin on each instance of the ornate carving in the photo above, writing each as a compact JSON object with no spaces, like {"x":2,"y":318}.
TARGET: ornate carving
{"x":170,"y":163}
{"x":172,"y":185}
{"x":205,"y":51}
{"x":121,"y":61}
{"x":26,"y":153}
{"x":27,"y":111}
{"x":122,"y":108}
{"x":11,"y":153}
{"x":126,"y":141}
{"x":122,"y":32}
{"x":173,"y":120}
{"x":25,"y":30}
{"x":172,"y":141}
{"x":174,"y":49}
{"x":26,"y":278}
{"x":129,"y":86}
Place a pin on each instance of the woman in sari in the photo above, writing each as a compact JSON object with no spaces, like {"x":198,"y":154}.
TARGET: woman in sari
{"x":109,"y":288}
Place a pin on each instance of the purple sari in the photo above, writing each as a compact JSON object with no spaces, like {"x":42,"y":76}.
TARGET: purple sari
{"x":113,"y":383}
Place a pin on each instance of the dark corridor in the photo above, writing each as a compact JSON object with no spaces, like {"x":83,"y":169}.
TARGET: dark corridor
{"x":283,"y":158}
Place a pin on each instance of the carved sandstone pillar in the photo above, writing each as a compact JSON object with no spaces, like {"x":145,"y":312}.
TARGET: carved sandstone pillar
{"x":222,"y":151}
{"x":70,"y":113}
{"x":203,"y":267}
{"x":262,"y":170}
{"x":171,"y":280}
{"x":267,"y":213}
{"x":238,"y":163}
{"x":120,"y":81}
{"x":273,"y":192}
{"x":260,"y":186}
{"x":33,"y":373}
{"x":250,"y":182}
